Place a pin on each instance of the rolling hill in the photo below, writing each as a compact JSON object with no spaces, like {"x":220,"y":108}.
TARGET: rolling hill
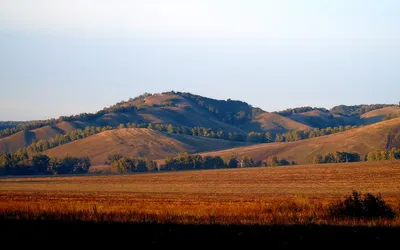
{"x":361,"y":140}
{"x":176,"y":108}
{"x":25,"y":138}
{"x":138,"y":142}
{"x":378,"y":114}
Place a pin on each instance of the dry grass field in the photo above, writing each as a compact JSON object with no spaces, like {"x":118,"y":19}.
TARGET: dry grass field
{"x":267,"y":196}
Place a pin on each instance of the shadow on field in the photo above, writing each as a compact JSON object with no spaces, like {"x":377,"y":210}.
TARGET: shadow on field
{"x":43,"y":232}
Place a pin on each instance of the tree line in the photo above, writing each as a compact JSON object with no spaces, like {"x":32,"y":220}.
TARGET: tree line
{"x":253,"y":137}
{"x":21,"y":164}
{"x":185,"y":161}
{"x":336,"y":157}
{"x":291,"y":111}
{"x":382,"y":155}
{"x":120,"y":164}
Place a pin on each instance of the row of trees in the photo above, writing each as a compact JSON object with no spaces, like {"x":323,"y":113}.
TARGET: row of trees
{"x":336,"y":157}
{"x":381,"y":155}
{"x":20,"y":164}
{"x":291,"y":111}
{"x":120,"y":164}
{"x":254,"y":137}
{"x":185,"y":161}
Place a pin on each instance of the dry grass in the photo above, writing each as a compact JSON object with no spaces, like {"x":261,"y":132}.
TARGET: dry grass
{"x":285,"y":195}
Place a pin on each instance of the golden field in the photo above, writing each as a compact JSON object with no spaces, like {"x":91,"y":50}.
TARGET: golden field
{"x":281,"y":195}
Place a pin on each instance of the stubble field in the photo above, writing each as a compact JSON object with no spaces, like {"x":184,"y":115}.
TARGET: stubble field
{"x":260,"y":196}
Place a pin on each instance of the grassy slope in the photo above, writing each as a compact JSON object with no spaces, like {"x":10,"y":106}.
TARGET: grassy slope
{"x":23,"y":139}
{"x":377,"y":115}
{"x":138,"y":142}
{"x":360,"y":140}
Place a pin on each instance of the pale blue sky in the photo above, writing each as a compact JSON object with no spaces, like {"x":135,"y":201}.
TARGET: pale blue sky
{"x":67,"y":57}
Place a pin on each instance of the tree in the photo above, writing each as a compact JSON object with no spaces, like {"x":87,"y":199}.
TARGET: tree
{"x":151,"y":165}
{"x":279,"y":138}
{"x":284,"y":162}
{"x":121,"y":126}
{"x":318,"y":159}
{"x":246,"y":162}
{"x":273,"y":161}
{"x":41,"y":163}
{"x":268,"y":137}
{"x":114,"y":157}
{"x":140,"y":165}
{"x":170,"y":129}
{"x":233,"y":162}
{"x":121,"y":165}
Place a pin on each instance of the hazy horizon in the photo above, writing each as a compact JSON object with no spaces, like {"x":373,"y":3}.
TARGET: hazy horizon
{"x":69,"y":57}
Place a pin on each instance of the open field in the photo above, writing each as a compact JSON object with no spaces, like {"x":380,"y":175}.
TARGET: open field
{"x":281,"y":195}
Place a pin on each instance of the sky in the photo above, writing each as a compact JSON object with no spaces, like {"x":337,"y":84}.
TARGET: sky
{"x":64,"y":57}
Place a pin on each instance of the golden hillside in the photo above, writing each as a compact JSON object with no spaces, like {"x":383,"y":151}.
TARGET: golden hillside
{"x":360,"y":140}
{"x":138,"y":142}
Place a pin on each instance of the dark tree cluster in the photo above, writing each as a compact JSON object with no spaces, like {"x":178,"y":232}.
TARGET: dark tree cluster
{"x":357,"y":110}
{"x":336,"y":157}
{"x":185,"y":161}
{"x":291,"y":111}
{"x":20,"y":164}
{"x":382,"y":155}
{"x":9,"y":124}
{"x":120,"y":164}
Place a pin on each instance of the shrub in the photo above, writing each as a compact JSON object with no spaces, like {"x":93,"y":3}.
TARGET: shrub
{"x":359,"y":206}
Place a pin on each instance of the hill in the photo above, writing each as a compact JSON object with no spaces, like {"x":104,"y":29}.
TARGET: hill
{"x":323,"y":119}
{"x":176,"y":108}
{"x":25,"y":138}
{"x":361,"y":140}
{"x":378,"y":114}
{"x":340,"y":115}
{"x":138,"y":142}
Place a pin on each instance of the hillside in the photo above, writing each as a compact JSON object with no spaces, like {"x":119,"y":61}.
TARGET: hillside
{"x":321,"y":119}
{"x":378,"y":114}
{"x":138,"y":142}
{"x":361,"y":140}
{"x":25,"y":138}
{"x":274,"y":123}
{"x":176,"y":108}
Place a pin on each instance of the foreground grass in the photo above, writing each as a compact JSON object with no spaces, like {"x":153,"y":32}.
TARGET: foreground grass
{"x":179,"y":209}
